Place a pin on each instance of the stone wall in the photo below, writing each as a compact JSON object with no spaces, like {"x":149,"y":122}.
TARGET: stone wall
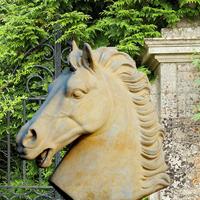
{"x":176,"y":95}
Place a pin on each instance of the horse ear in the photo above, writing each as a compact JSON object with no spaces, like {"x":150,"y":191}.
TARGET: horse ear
{"x":88,"y":57}
{"x":74,"y":45}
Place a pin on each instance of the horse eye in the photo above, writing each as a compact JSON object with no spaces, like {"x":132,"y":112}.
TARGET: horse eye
{"x":78,"y":93}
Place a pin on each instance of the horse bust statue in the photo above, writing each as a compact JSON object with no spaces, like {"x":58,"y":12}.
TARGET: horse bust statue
{"x":104,"y":104}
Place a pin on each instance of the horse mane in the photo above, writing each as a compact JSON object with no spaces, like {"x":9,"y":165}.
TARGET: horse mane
{"x":152,"y":156}
{"x":151,"y":132}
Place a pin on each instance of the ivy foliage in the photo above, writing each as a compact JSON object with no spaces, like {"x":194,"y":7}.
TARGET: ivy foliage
{"x":26,"y":24}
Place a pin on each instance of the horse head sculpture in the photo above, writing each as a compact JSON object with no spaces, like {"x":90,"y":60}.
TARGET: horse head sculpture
{"x":104,"y":104}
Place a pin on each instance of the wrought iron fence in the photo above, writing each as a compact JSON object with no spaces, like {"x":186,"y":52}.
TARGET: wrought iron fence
{"x":21,"y":187}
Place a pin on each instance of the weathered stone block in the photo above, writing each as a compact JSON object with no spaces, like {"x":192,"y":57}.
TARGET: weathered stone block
{"x":168,"y":78}
{"x":168,"y":105}
{"x":177,"y":94}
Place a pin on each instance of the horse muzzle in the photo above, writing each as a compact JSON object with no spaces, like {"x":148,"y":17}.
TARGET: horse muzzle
{"x":30,"y":148}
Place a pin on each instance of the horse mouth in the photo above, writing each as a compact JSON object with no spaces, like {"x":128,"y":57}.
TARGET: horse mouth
{"x":44,"y":159}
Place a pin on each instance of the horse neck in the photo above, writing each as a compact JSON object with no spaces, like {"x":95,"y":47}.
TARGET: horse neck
{"x":121,"y":132}
{"x":123,"y":118}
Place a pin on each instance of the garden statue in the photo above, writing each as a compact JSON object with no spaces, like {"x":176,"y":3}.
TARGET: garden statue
{"x":103,"y":104}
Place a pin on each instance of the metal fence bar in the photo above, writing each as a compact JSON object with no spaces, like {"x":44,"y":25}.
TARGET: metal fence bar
{"x":24,"y":162}
{"x":8,"y":150}
{"x":57,"y":55}
{"x":26,"y":187}
{"x":40,"y":171}
{"x":57,"y":65}
{"x":58,"y":69}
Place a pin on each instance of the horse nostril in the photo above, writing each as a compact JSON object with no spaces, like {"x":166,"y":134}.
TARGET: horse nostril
{"x":34,"y":135}
{"x":30,"y":138}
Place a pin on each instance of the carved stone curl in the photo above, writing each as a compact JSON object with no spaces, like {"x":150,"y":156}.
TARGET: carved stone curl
{"x":104,"y":105}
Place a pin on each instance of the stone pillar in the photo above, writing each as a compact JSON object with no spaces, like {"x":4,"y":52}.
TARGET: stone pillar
{"x":175,"y":93}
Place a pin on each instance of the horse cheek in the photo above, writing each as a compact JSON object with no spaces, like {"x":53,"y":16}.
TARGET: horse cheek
{"x":96,"y":116}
